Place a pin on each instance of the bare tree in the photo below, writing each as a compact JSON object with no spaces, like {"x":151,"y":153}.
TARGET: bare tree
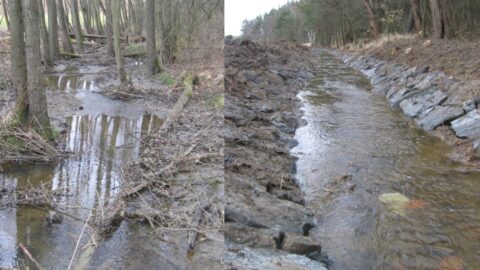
{"x":371,"y":19}
{"x":47,"y":59}
{"x":152,"y":60}
{"x":37,"y":108}
{"x":19,"y":66}
{"x":76,"y":25}
{"x":116,"y":42}
{"x":439,"y":18}
{"x":53,"y":30}
{"x":109,"y":27}
{"x":66,"y":42}
{"x":5,"y":12}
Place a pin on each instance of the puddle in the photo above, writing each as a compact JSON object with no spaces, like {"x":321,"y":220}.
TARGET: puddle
{"x":105,"y":136}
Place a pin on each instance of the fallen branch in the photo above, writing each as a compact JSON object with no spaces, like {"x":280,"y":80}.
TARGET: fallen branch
{"x":177,"y":109}
{"x":30,"y":257}
{"x":71,"y":55}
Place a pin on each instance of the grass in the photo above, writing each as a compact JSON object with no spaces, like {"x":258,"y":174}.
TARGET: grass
{"x":166,"y":79}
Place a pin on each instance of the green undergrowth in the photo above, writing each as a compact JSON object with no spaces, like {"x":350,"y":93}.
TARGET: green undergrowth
{"x":217,"y":101}
{"x":166,"y":79}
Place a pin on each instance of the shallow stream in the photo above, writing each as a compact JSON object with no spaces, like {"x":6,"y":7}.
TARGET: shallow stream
{"x":386,"y":194}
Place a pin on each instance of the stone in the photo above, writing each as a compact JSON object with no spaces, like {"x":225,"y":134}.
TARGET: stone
{"x":439,"y":115}
{"x":252,"y":237}
{"x":415,"y":105}
{"x":299,"y":244}
{"x":468,"y":126}
{"x":238,"y":257}
{"x":251,"y":206}
{"x":469,"y":105}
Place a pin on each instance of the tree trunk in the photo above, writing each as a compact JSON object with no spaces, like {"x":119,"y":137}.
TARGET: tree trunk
{"x":53,"y":30}
{"x":372,"y":20}
{"x":417,"y":19}
{"x":37,"y":109}
{"x":76,"y":25}
{"x":19,"y":66}
{"x":116,"y":42}
{"x":152,"y":59}
{"x":47,"y":59}
{"x":439,"y":18}
{"x":5,"y":12}
{"x":109,"y":27}
{"x":66,"y":42}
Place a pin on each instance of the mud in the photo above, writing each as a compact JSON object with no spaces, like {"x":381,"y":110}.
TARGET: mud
{"x":262,"y":196}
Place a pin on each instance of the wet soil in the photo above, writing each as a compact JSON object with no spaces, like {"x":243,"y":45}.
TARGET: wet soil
{"x":265,"y":215}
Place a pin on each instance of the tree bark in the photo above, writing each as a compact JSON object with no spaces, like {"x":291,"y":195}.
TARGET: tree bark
{"x":37,"y":109}
{"x":66,"y":42}
{"x":152,"y":59}
{"x":116,"y":42}
{"x":76,"y":25}
{"x":371,"y":19}
{"x":19,"y":65}
{"x":439,"y":18}
{"x":417,"y":19}
{"x":53,"y":30}
{"x":109,"y":27}
{"x":47,"y":59}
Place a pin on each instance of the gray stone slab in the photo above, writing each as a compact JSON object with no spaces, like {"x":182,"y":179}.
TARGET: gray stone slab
{"x":439,"y":115}
{"x":468,"y":125}
{"x":417,"y":104}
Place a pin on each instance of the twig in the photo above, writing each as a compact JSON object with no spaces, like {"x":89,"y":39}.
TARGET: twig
{"x":29,"y":255}
{"x":78,"y":241}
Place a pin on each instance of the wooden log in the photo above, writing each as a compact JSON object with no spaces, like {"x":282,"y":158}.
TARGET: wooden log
{"x":181,"y":102}
{"x":71,"y":55}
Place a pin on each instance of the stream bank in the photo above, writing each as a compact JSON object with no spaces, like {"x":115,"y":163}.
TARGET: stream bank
{"x":441,"y":104}
{"x":266,"y":221}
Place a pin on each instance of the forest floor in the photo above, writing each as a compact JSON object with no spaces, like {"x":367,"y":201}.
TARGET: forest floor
{"x":457,"y":58}
{"x":173,"y":190}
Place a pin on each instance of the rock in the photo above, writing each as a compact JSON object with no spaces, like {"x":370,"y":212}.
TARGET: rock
{"x":439,"y":115}
{"x":427,"y":43}
{"x":421,"y":102}
{"x":237,"y":257}
{"x":252,"y":237}
{"x":408,"y":50}
{"x":299,"y":244}
{"x":469,"y":105}
{"x":396,"y":202}
{"x":266,"y":109}
{"x":468,"y":125}
{"x":251,"y":206}
{"x":429,"y":80}
{"x":476,"y":145}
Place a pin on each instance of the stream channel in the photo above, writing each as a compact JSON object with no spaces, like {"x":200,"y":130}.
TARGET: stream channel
{"x":103,"y":135}
{"x":386,"y":194}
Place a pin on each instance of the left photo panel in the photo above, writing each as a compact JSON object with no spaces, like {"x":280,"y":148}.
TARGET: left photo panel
{"x":111,"y":134}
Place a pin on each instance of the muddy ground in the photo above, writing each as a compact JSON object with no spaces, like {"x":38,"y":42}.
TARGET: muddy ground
{"x":267,"y":222}
{"x":177,"y":214}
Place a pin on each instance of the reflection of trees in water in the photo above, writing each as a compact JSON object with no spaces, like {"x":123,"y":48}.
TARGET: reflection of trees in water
{"x":104,"y":144}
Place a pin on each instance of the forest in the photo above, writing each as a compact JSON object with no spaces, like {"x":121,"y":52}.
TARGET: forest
{"x":340,"y":22}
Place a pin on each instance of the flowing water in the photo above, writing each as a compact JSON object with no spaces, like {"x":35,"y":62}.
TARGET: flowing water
{"x":355,"y":148}
{"x":103,"y":136}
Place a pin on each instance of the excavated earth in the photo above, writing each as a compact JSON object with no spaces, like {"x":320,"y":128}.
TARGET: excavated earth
{"x":266,"y":221}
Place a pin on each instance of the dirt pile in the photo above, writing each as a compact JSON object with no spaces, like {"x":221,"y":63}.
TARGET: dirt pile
{"x":266,"y":219}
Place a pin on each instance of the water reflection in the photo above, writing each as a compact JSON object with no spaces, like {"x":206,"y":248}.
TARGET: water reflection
{"x":87,"y":180}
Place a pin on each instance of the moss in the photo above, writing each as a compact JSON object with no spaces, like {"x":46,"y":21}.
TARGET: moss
{"x":217,"y":101}
{"x":166,"y":79}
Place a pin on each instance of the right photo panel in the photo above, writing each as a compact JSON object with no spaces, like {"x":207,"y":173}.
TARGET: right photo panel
{"x":352,"y":134}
